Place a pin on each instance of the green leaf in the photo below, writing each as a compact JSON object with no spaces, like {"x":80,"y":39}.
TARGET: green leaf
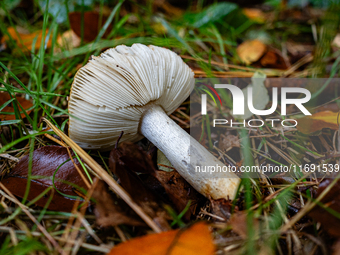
{"x":211,"y":14}
{"x":9,"y":122}
{"x":59,"y":9}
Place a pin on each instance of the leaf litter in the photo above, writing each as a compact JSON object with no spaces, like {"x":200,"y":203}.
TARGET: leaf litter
{"x":296,"y":56}
{"x":47,"y":161}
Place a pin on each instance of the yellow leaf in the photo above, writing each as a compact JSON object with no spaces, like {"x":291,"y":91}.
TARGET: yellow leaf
{"x":196,"y":240}
{"x":24,"y":41}
{"x":254,"y":14}
{"x":251,"y":51}
{"x":318,"y":121}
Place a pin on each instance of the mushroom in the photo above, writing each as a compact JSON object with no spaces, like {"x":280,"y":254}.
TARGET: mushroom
{"x":134,"y":89}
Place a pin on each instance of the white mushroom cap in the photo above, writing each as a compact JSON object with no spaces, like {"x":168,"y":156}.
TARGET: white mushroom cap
{"x":110,"y":93}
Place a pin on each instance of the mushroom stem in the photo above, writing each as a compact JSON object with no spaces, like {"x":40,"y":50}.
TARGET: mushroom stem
{"x":187,"y":155}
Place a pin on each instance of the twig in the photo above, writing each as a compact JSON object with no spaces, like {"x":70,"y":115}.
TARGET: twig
{"x":9,"y":157}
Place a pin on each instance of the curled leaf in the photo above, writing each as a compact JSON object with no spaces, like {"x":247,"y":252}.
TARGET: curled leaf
{"x":251,"y":51}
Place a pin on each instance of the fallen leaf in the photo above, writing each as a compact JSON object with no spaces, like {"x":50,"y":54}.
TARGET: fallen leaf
{"x":239,"y":223}
{"x":196,"y":240}
{"x":110,"y":211}
{"x":179,"y":191}
{"x":91,"y":24}
{"x":228,"y":142}
{"x":336,"y":248}
{"x":273,"y":59}
{"x":221,"y":208}
{"x":318,"y":121}
{"x":251,"y":51}
{"x":132,"y":157}
{"x":26,"y":104}
{"x":67,"y":41}
{"x":332,"y":201}
{"x":336,"y":41}
{"x":125,"y":161}
{"x":25,"y":41}
{"x":45,"y":162}
{"x":254,"y":14}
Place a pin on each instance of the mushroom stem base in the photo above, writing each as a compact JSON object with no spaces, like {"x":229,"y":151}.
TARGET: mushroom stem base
{"x":187,"y":155}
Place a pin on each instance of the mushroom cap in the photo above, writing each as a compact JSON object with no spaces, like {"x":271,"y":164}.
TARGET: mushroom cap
{"x":110,"y":93}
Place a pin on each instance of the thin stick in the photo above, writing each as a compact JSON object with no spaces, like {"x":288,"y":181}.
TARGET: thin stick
{"x":106,"y":177}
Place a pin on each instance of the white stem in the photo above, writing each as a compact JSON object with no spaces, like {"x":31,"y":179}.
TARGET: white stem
{"x":187,"y":155}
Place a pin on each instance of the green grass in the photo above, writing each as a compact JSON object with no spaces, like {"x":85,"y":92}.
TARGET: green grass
{"x":45,"y":77}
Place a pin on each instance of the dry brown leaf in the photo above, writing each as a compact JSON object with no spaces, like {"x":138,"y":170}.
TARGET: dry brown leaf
{"x":124,"y":161}
{"x":26,"y":104}
{"x":228,"y":142}
{"x":24,"y":41}
{"x":318,"y":121}
{"x":109,"y":211}
{"x":222,"y":208}
{"x":251,"y":51}
{"x":239,"y":224}
{"x":179,"y":191}
{"x":328,"y":221}
{"x":336,"y":248}
{"x":196,"y":240}
{"x":92,"y":24}
{"x":273,"y":59}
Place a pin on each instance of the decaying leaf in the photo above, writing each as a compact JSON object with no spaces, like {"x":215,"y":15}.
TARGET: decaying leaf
{"x":272,"y":59}
{"x":92,"y":24}
{"x":196,"y":240}
{"x":125,"y":161}
{"x":221,"y":208}
{"x":251,"y":51}
{"x":25,"y":41}
{"x":109,"y":211}
{"x":318,"y":121}
{"x":228,"y":142}
{"x":179,"y":191}
{"x":240,"y":225}
{"x":45,"y":162}
{"x":132,"y":158}
{"x":332,"y":201}
{"x":5,"y":97}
